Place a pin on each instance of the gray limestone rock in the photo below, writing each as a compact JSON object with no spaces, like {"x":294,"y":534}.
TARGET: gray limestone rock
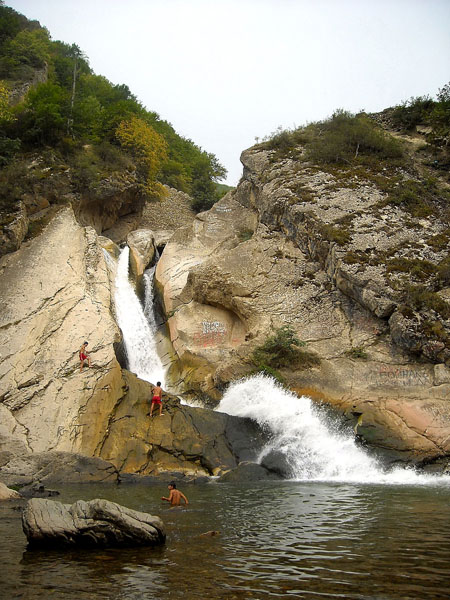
{"x":94,"y":523}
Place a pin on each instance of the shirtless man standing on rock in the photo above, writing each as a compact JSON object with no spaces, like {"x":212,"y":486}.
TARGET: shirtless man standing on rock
{"x":175,"y":495}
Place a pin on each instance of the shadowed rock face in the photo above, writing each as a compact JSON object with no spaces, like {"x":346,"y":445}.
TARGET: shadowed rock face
{"x":95,"y":523}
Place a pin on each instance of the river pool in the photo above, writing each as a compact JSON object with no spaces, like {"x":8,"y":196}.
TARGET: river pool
{"x":307,"y":540}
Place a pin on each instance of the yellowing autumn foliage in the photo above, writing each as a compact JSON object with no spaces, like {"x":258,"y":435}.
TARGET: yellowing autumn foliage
{"x":148,"y":148}
{"x":6,"y":114}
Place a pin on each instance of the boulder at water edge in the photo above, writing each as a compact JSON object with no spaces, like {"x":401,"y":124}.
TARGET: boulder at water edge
{"x":7,"y":494}
{"x":94,"y":523}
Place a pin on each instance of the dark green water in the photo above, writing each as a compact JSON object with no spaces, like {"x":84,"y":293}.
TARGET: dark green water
{"x":280,"y":540}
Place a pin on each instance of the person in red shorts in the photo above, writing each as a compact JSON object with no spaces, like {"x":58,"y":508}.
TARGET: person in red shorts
{"x":156,"y":400}
{"x":84,"y":356}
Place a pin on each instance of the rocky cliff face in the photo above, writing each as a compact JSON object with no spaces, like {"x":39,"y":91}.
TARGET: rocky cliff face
{"x":56,"y":292}
{"x":295,"y":245}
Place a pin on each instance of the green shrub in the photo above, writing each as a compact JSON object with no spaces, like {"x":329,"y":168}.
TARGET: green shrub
{"x":14,"y":181}
{"x":420,"y":297}
{"x":245,"y":235}
{"x":356,"y":257}
{"x":357,"y":352}
{"x":439,"y":241}
{"x":435,"y":329}
{"x":413,"y":112}
{"x":420,"y":269}
{"x":444,"y":271}
{"x":283,"y":350}
{"x":416,"y":197}
{"x":340,"y":235}
{"x":346,"y":138}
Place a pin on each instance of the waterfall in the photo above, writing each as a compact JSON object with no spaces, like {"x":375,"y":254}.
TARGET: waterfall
{"x":138,"y":330}
{"x":314,"y":446}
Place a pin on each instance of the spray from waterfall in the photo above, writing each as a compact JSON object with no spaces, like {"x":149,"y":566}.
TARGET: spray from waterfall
{"x":138,"y":330}
{"x":315,"y":447}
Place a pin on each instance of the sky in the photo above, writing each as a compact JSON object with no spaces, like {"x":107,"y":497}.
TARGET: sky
{"x":225,"y":73}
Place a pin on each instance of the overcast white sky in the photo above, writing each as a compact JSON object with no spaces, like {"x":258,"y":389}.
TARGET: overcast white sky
{"x":226,"y":71}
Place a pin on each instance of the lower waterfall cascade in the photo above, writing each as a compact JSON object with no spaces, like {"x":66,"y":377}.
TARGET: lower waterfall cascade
{"x":314,"y":446}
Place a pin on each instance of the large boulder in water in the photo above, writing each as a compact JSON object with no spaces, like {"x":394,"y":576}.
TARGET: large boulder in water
{"x":94,"y":523}
{"x":277,"y":462}
{"x":248,"y":471}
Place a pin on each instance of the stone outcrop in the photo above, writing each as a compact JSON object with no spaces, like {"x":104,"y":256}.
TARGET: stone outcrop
{"x":248,"y":471}
{"x":192,"y":441}
{"x":142,"y":251}
{"x":54,"y":417}
{"x":34,"y":469}
{"x":409,"y":431}
{"x":202,"y":333}
{"x":97,"y":523}
{"x":168,"y":214}
{"x":116,"y":200}
{"x":7,"y":494}
{"x":21,"y":89}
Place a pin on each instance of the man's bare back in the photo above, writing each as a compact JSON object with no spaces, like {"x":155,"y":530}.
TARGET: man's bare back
{"x":175,"y":496}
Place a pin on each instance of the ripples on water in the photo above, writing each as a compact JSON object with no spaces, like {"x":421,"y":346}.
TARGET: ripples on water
{"x":298,"y":540}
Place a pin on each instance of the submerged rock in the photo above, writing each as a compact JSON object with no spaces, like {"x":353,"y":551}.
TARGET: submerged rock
{"x":37,"y":490}
{"x":94,"y":523}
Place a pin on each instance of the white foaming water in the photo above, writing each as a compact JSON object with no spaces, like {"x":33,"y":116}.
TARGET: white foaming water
{"x":314,"y":447}
{"x":138,"y":334}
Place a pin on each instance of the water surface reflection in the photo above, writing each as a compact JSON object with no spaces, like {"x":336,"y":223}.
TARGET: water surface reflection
{"x":277,"y":540}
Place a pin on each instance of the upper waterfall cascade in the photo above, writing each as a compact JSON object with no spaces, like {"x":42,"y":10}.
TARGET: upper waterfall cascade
{"x":315,"y":447}
{"x":137,"y":324}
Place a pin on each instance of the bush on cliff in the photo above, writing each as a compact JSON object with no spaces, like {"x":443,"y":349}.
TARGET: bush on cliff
{"x":283,"y":349}
{"x":344,"y":138}
{"x":423,"y":110}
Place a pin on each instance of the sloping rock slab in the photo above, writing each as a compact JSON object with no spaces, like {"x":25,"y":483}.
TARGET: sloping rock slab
{"x":94,"y":523}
